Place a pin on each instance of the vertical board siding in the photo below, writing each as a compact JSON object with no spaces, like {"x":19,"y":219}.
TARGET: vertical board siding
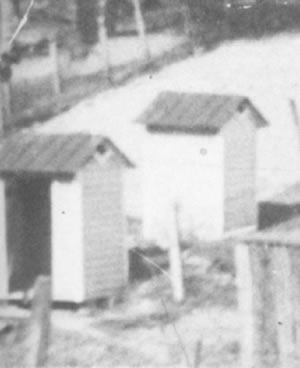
{"x":104,"y":229}
{"x":240,"y":172}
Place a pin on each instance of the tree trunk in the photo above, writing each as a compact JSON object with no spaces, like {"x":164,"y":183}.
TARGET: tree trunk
{"x":17,"y":8}
{"x":87,"y":21}
{"x":103,"y":37}
{"x":141,"y":29}
{"x":188,"y":23}
{"x":5,"y":34}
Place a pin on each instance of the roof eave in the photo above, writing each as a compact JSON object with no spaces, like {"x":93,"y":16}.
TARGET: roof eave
{"x":41,"y":174}
{"x":127,"y":162}
{"x":261,"y":121}
{"x":187,"y":130}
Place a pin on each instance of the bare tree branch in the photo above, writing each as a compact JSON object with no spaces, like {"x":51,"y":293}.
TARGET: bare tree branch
{"x":22,"y":23}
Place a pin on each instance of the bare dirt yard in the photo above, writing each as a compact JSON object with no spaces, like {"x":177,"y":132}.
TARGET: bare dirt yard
{"x":146,"y":328}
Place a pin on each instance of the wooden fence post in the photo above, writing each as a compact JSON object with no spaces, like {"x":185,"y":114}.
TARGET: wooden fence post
{"x":257,"y":306}
{"x":4,"y":267}
{"x":141,"y":30}
{"x":175,"y":257}
{"x":53,"y":54}
{"x":104,"y":39}
{"x":282,"y":288}
{"x":244,"y":283}
{"x":37,"y":339}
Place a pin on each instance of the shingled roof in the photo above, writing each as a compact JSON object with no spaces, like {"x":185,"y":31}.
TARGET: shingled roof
{"x":51,"y":154}
{"x":195,"y":112}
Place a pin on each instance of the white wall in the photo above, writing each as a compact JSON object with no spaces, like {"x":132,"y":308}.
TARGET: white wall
{"x":186,"y":170}
{"x":67,"y":241}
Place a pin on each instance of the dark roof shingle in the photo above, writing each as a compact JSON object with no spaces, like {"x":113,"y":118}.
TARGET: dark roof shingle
{"x":50,"y":154}
{"x":195,"y":112}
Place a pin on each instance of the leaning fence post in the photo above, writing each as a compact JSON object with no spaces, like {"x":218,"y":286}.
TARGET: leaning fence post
{"x":176,"y":272}
{"x":37,"y":340}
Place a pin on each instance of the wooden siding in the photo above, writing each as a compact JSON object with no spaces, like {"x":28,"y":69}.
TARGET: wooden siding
{"x":240,"y":172}
{"x":105,"y":261}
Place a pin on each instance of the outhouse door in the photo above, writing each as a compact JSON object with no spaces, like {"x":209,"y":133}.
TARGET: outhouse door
{"x":28,"y":230}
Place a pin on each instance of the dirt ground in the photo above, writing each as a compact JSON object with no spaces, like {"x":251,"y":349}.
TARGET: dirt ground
{"x":147,"y":329}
